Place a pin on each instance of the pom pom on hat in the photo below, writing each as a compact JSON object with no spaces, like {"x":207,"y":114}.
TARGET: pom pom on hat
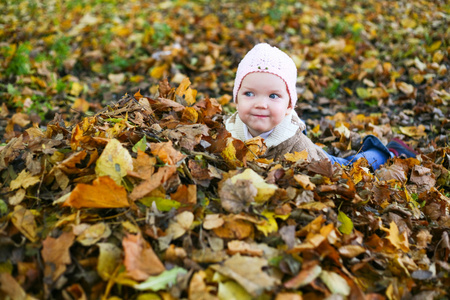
{"x":267,"y":59}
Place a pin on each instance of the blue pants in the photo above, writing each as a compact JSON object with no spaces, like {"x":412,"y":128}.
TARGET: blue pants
{"x":372,"y":149}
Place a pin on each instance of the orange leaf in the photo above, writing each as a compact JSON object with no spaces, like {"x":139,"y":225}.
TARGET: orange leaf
{"x":77,"y":134}
{"x":166,"y":152}
{"x":186,"y":194}
{"x":140,"y":259}
{"x":138,"y":95}
{"x":143,"y":166}
{"x":155,"y":181}
{"x":103,"y":193}
{"x":234,"y":229}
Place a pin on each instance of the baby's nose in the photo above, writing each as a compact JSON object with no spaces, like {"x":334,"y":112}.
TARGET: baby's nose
{"x":262,"y":103}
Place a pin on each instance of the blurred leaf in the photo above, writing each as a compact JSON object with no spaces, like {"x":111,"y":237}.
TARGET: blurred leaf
{"x":164,"y":280}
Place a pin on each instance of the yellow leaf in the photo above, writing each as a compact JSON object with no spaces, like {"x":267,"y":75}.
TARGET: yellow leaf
{"x":108,"y":259}
{"x":186,"y":92}
{"x":231,"y":290}
{"x":370,"y":63}
{"x":438,"y":56}
{"x":417,"y":78}
{"x":190,"y":95}
{"x":115,"y":161}
{"x":185,"y":83}
{"x":433,"y":47}
{"x":190,"y":115}
{"x":408,"y":23}
{"x":80,"y":105}
{"x":296,"y":156}
{"x":25,"y":180}
{"x":265,"y":190}
{"x":76,"y":89}
{"x":413,"y":131}
{"x":23,"y":220}
{"x":256,"y":148}
{"x":158,"y":72}
{"x":229,"y":153}
{"x":400,"y":241}
{"x":269,"y":224}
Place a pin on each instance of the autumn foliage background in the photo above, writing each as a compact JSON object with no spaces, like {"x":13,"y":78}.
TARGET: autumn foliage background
{"x":119,"y":181}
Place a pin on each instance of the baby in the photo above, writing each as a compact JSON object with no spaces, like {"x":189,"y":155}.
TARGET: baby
{"x":265,"y":94}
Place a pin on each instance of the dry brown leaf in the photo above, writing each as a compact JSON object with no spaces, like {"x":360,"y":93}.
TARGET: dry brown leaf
{"x":23,"y":219}
{"x":247,"y":271}
{"x":235,"y":197}
{"x":140,"y":259}
{"x":143,"y":166}
{"x":145,"y":187}
{"x":56,"y":255}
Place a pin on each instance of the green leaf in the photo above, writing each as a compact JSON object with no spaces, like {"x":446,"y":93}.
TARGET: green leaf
{"x":141,"y":145}
{"x":362,"y":93}
{"x":3,"y":207}
{"x":162,"y":204}
{"x":347,"y":224}
{"x":162,"y":281}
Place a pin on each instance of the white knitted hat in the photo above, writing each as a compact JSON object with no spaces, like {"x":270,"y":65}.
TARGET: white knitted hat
{"x":267,"y":59}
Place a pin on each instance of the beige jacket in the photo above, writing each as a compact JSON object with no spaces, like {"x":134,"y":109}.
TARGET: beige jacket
{"x":287,"y":137}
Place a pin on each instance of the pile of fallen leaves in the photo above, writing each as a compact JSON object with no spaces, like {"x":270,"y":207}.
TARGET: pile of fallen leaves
{"x":153,"y":199}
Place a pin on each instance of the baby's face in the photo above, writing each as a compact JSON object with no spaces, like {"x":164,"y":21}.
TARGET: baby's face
{"x":262,"y":102}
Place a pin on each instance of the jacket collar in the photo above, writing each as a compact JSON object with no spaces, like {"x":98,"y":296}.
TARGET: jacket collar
{"x":283,"y":131}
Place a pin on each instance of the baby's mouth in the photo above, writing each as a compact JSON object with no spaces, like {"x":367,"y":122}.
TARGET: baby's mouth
{"x":261,"y":116}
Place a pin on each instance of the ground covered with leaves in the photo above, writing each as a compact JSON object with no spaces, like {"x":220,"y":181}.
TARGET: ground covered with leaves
{"x":117,"y":183}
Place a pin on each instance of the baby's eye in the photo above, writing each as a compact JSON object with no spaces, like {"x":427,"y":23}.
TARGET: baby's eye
{"x":274,"y":96}
{"x":249,"y":94}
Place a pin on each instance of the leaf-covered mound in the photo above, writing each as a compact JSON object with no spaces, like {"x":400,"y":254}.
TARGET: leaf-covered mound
{"x":152,"y":199}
